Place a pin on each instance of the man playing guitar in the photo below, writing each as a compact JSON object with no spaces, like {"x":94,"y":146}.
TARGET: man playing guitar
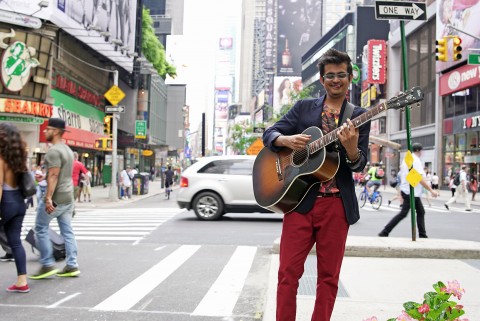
{"x":326,"y":211}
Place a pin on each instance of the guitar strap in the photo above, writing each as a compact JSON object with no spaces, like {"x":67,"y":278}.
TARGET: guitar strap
{"x":347,"y":113}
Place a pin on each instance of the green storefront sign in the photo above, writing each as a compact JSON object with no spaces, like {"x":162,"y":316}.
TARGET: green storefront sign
{"x":16,"y":119}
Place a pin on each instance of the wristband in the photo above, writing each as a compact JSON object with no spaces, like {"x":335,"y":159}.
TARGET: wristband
{"x":355,"y":160}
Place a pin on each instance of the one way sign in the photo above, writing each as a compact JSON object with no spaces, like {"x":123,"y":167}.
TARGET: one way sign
{"x":387,"y":10}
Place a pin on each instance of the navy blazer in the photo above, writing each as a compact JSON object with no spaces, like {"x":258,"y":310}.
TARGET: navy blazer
{"x":307,"y":113}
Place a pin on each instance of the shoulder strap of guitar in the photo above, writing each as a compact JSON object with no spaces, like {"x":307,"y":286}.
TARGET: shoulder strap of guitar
{"x":347,"y":113}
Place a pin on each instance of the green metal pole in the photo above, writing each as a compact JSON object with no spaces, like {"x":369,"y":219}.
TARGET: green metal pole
{"x":407,"y":115}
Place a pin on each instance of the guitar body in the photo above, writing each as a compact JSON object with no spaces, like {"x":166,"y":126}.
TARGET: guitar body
{"x":281,"y":180}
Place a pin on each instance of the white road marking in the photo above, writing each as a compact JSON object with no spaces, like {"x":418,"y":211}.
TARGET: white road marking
{"x":222,"y":296}
{"x":56,"y":304}
{"x":132,"y":293}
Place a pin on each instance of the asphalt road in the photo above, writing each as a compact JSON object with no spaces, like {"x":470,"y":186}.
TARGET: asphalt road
{"x":150,"y":260}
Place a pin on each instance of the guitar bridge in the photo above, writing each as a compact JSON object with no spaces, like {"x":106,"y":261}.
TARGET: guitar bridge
{"x":279,"y":169}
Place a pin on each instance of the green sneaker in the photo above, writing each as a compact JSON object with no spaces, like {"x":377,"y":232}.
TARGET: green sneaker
{"x":44,"y":272}
{"x":69,"y":271}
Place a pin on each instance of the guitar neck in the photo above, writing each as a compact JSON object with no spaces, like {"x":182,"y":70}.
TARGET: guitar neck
{"x":332,"y":136}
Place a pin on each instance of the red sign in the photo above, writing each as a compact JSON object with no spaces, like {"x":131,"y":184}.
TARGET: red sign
{"x":69,"y":86}
{"x":459,"y":79}
{"x":74,"y":137}
{"x":25,"y":107}
{"x":377,"y":53}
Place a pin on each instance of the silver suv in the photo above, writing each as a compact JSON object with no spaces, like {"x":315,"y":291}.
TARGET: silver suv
{"x":216,"y":185}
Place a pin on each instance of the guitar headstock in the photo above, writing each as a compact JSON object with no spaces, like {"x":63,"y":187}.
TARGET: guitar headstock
{"x":403,"y":99}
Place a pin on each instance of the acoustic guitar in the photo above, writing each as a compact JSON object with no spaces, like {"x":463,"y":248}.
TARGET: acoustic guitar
{"x":279,"y":179}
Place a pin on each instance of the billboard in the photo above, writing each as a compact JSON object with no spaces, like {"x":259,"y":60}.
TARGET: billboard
{"x":377,"y":53}
{"x":463,"y":15}
{"x":108,"y":27}
{"x":299,"y":26}
{"x":283,"y":88}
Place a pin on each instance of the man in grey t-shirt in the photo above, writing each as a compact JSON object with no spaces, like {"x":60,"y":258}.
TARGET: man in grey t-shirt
{"x":58,"y":203}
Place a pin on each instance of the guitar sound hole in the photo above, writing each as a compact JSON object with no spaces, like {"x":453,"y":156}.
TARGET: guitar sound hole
{"x":299,"y":157}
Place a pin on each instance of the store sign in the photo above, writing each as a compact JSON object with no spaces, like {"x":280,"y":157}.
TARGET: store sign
{"x":76,"y":90}
{"x":82,"y":131}
{"x":20,"y":19}
{"x":459,"y":79}
{"x":17,"y":62}
{"x":377,"y":52}
{"x":25,"y":107}
{"x":471,"y":122}
{"x":20,"y":119}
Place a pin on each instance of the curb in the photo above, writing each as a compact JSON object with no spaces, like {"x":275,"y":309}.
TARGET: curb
{"x":395,"y":247}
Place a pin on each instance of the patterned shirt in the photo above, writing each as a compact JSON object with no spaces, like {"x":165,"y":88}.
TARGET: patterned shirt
{"x":329,"y":122}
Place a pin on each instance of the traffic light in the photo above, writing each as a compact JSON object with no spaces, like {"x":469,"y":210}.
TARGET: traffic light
{"x":107,"y":125}
{"x":441,"y":50}
{"x":457,"y":48}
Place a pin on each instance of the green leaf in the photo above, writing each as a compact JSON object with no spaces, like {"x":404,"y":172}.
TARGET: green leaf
{"x":411,"y":305}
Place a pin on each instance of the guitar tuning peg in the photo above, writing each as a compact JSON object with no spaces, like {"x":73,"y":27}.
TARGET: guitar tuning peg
{"x":419,"y":105}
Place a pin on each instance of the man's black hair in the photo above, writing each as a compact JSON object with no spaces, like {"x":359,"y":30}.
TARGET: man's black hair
{"x":335,"y":57}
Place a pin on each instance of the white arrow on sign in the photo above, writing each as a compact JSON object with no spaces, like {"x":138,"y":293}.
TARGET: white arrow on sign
{"x":115,"y":109}
{"x":394,"y":10}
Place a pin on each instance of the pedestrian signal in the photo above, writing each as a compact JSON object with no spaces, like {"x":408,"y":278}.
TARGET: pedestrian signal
{"x":457,"y":48}
{"x":107,"y":125}
{"x":99,"y":143}
{"x":441,"y":50}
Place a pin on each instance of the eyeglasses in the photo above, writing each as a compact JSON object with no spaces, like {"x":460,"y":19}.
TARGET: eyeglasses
{"x":340,"y":75}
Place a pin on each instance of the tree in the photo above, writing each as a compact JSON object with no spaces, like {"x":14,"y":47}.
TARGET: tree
{"x":153,"y":49}
{"x":240,"y":137}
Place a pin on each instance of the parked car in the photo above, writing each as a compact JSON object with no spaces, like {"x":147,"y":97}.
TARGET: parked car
{"x":217,"y":185}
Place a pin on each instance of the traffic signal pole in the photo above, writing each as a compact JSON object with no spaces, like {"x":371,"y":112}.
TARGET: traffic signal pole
{"x":113,"y":192}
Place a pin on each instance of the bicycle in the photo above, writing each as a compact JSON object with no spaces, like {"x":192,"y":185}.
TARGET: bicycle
{"x":375,"y":199}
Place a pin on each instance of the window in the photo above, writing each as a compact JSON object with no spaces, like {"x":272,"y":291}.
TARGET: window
{"x":421,"y":72}
{"x":229,"y":167}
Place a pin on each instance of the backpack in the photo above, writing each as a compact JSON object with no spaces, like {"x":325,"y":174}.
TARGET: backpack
{"x":456,"y":180}
{"x":379,"y":173}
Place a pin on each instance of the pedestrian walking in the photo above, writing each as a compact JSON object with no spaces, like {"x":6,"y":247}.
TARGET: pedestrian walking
{"x":8,"y":257}
{"x":78,"y":171}
{"x":58,"y":203}
{"x":13,"y":161}
{"x":473,"y":185}
{"x":405,"y":190}
{"x":87,"y":185}
{"x":41,"y":179}
{"x":397,"y":196}
{"x":435,"y":181}
{"x":126,"y":183}
{"x":428,"y":180}
{"x":451,"y":185}
{"x":326,"y":211}
{"x":461,"y":191}
{"x":29,"y":201}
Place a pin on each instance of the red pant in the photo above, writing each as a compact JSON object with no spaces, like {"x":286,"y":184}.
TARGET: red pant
{"x":326,"y":226}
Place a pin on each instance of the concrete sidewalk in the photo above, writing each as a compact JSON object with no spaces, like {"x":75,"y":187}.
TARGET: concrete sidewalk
{"x":380,"y":274}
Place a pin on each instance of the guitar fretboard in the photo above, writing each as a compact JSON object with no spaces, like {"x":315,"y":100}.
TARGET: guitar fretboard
{"x":332,"y":136}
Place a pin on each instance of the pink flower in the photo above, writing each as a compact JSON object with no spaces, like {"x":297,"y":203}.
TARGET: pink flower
{"x":461,"y":319}
{"x":454,"y":288}
{"x":424,"y":308}
{"x":404,"y":317}
{"x":375,"y":319}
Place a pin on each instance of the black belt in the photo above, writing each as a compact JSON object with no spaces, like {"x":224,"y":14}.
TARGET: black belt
{"x":336,"y":195}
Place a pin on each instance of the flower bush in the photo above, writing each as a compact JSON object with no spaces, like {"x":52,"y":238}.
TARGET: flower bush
{"x":436,"y":306}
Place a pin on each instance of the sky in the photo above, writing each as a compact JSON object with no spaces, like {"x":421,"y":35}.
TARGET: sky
{"x":201,"y":31}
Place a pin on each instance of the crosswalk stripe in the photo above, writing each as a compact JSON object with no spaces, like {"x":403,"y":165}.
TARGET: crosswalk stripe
{"x":222,"y":296}
{"x":132,"y":293}
{"x":112,"y":225}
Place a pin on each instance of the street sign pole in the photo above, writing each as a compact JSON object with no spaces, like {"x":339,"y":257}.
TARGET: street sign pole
{"x":409,"y":129}
{"x":113,"y":193}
